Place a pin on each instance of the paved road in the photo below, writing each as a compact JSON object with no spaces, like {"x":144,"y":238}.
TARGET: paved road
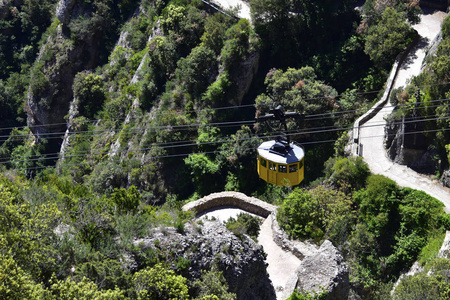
{"x":244,"y":7}
{"x":372,"y":132}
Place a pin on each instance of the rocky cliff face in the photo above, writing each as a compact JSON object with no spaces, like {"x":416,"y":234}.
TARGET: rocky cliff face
{"x":407,"y":146}
{"x":208,"y":244}
{"x":60,"y":58}
{"x":325,"y":269}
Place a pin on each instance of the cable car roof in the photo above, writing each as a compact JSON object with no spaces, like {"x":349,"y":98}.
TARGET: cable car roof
{"x":270,"y":150}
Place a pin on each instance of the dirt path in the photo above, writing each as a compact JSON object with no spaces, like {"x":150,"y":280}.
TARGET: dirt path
{"x":372,"y":132}
{"x":282,"y":265}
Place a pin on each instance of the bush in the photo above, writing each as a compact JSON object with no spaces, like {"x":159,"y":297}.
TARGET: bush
{"x":301,"y":216}
{"x":347,"y":173}
{"x":212,"y":283}
{"x":244,"y":224}
{"x":159,"y":283}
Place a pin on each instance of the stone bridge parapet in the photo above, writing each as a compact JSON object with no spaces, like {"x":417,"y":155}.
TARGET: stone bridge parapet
{"x":235,"y":199}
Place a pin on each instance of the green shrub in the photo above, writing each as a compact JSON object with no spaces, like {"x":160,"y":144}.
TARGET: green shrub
{"x":212,"y":284}
{"x":159,"y":283}
{"x":347,"y":173}
{"x":244,"y":224}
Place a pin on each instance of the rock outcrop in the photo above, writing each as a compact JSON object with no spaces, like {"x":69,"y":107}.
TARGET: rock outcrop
{"x":208,"y":244}
{"x":64,"y":10}
{"x":445,"y":179}
{"x":244,"y":77}
{"x":52,"y":76}
{"x":325,"y":269}
{"x":406,"y":145}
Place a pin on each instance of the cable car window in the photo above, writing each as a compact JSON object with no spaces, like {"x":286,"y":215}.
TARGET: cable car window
{"x":301,"y":164}
{"x":293,"y":168}
{"x":272,"y":166}
{"x":263,"y":162}
{"x":282,"y":168}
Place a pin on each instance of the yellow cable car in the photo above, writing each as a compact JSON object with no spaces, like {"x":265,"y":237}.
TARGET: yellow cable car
{"x":281,"y":163}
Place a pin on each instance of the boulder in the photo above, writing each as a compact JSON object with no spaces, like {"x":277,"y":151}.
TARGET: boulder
{"x":445,"y":179}
{"x":325,"y":270}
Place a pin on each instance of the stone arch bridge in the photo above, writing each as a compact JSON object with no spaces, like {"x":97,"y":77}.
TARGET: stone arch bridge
{"x":234,"y":199}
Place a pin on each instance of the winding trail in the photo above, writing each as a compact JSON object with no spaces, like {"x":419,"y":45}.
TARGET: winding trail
{"x":372,"y":132}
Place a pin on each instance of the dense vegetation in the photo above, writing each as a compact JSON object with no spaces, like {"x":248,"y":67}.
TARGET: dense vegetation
{"x":158,"y":99}
{"x":379,"y":227}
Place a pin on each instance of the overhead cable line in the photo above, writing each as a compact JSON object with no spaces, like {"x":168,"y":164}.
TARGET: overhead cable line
{"x":216,"y":142}
{"x":202,"y":109}
{"x":216,"y":124}
{"x":242,"y":149}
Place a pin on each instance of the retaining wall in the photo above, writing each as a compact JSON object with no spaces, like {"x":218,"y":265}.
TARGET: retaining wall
{"x":379,"y":105}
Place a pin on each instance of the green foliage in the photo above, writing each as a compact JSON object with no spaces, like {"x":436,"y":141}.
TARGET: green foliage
{"x":431,"y":249}
{"x":83,"y":290}
{"x":389,"y":37}
{"x":203,"y":170}
{"x":196,"y":71}
{"x":15,"y":284}
{"x":316,"y":214}
{"x":212,"y":285}
{"x":445,"y":28}
{"x":107,"y":176}
{"x":107,"y":274}
{"x":215,"y":30}
{"x":303,"y":295}
{"x":88,"y":89}
{"x":244,"y":224}
{"x":21,"y":28}
{"x":432,"y":283}
{"x":394,"y":226}
{"x":126,"y":200}
{"x":301,"y":215}
{"x":25,"y":234}
{"x":159,"y":283}
{"x":347,"y":173}
{"x":236,"y":45}
{"x":216,"y":92}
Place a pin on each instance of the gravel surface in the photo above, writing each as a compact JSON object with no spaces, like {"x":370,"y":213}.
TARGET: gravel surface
{"x":372,"y":132}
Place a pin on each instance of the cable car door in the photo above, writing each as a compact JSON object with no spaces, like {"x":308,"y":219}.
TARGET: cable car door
{"x":272,"y":176}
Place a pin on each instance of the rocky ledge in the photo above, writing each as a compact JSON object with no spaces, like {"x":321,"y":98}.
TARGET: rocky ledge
{"x":209,"y":244}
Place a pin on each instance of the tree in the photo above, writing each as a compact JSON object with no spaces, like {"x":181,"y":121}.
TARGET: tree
{"x":26,"y":234}
{"x":203,"y":172}
{"x":389,"y":37}
{"x":197,"y":70}
{"x":15,"y":283}
{"x":348,"y":173}
{"x":213,"y":284}
{"x":82,"y":290}
{"x":159,"y":283}
{"x":126,"y":200}
{"x":88,"y":90}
